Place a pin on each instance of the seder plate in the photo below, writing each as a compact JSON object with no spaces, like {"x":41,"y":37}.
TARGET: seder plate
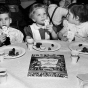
{"x":46,"y":45}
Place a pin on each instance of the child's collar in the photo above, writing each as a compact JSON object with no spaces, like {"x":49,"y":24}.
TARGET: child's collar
{"x":37,"y":27}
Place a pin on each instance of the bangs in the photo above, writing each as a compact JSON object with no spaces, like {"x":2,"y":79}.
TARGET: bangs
{"x":34,"y":9}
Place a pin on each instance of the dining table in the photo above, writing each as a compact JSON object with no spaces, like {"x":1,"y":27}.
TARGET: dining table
{"x":17,"y":69}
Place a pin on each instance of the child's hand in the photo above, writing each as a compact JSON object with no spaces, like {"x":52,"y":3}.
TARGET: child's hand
{"x":3,"y":37}
{"x":49,"y":28}
{"x":64,"y":38}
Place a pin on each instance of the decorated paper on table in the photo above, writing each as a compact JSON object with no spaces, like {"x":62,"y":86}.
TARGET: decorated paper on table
{"x":47,"y":65}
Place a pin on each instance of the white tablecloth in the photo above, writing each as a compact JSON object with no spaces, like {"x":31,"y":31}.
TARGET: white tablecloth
{"x":18,"y":69}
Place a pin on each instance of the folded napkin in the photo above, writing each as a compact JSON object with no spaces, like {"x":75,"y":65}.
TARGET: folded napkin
{"x":83,"y":77}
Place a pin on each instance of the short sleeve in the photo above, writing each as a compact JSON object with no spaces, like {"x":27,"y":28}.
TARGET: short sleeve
{"x":28,"y":32}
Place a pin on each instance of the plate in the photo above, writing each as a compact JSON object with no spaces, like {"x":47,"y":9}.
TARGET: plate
{"x":6,"y":49}
{"x":46,"y":45}
{"x":79,"y":46}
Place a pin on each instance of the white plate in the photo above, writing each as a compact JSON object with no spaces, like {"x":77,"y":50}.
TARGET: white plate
{"x":6,"y":50}
{"x":47,"y":45}
{"x":79,"y":46}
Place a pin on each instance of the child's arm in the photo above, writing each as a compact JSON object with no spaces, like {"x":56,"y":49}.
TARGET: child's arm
{"x":28,"y":32}
{"x":51,"y":30}
{"x":2,"y":38}
{"x":62,"y":36}
{"x":16,"y":36}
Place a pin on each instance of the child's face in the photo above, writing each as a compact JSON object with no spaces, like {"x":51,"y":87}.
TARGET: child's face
{"x":5,"y":20}
{"x":71,"y":18}
{"x":46,"y":2}
{"x":74,"y":1}
{"x":40,"y":16}
{"x":62,"y":3}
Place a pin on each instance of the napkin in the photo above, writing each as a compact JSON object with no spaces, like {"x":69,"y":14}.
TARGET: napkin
{"x":83,"y":77}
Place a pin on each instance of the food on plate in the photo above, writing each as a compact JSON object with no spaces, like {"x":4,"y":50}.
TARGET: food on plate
{"x":49,"y":48}
{"x":52,"y":45}
{"x":13,"y":52}
{"x":38,"y":44}
{"x":43,"y":47}
{"x":84,"y":49}
{"x":80,"y":45}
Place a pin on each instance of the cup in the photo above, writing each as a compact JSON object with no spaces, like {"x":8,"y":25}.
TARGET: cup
{"x":30,"y":43}
{"x":1,"y":56}
{"x":74,"y":56}
{"x":3,"y":75}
